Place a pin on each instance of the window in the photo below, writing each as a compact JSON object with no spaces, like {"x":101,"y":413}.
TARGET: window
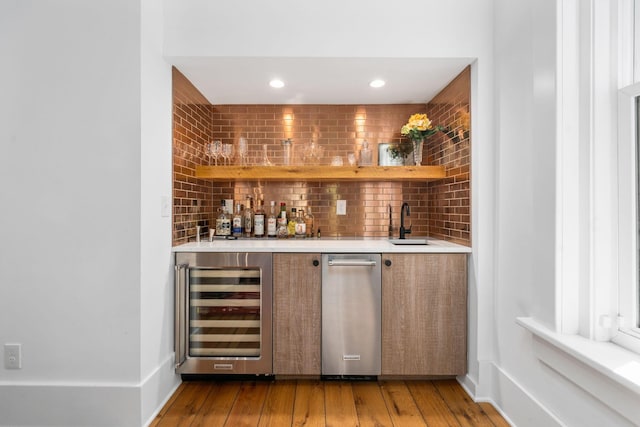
{"x":629,"y":218}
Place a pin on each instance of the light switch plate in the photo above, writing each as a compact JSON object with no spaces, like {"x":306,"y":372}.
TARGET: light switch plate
{"x":165,"y":206}
{"x":341,"y":207}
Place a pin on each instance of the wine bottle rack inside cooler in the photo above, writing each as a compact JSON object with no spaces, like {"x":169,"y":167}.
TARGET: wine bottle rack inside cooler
{"x":224,"y":312}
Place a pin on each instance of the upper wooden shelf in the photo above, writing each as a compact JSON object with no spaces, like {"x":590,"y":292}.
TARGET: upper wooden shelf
{"x":320,"y":173}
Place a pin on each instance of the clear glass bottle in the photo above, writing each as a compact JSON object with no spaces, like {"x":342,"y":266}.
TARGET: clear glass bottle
{"x":301,"y":226}
{"x":247,"y":226}
{"x":223,"y":223}
{"x":308,"y":220}
{"x":236,"y":222}
{"x":291,"y":225}
{"x":258,"y":220}
{"x":272,"y":221}
{"x":366,"y":155}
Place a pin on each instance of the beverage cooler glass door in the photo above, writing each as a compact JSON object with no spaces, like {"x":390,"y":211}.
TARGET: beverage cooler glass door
{"x":223,"y":313}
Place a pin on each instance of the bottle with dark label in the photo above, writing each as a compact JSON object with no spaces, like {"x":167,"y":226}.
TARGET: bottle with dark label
{"x":258,"y":220}
{"x":282,"y":222}
{"x":247,"y":225}
{"x":236,"y":222}
{"x":223,"y":223}
{"x":272,"y":221}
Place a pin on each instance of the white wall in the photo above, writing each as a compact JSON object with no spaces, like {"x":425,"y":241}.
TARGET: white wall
{"x":156,"y":274}
{"x":73,"y":248}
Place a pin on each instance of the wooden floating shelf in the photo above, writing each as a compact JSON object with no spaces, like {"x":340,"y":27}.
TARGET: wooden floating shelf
{"x":320,"y":173}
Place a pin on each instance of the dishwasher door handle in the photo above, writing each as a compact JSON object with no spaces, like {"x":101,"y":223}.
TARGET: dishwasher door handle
{"x":351,"y":262}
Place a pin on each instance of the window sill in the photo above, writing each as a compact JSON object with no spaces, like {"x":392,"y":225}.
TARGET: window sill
{"x":600,"y":368}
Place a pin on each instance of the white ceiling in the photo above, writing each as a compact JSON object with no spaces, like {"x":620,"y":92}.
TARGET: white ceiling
{"x":245,"y":80}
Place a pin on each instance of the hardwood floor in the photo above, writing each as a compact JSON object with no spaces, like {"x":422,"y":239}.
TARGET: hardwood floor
{"x":308,"y":403}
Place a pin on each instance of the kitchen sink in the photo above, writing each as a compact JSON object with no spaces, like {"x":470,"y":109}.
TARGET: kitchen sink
{"x":408,"y":241}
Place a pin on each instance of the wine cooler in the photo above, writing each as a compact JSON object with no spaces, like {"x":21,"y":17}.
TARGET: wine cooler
{"x":223,"y":313}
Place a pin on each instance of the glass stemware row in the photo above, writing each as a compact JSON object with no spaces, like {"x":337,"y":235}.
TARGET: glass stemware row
{"x":217,"y":149}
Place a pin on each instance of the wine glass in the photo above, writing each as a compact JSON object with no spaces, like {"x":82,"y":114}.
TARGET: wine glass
{"x":207,"y":150}
{"x":228,"y":152}
{"x":243,"y":151}
{"x":214,"y":150}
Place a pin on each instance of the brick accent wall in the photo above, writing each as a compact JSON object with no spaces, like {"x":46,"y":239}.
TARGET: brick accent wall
{"x":449,"y":200}
{"x":192,"y":198}
{"x":338,"y":130}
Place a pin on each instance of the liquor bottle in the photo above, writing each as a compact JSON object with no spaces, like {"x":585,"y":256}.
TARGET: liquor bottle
{"x":258,"y":220}
{"x":236,"y":222}
{"x":308,"y":220}
{"x":248,"y":217}
{"x":282,"y":222}
{"x":301,"y":226}
{"x":291,"y":225}
{"x":272,"y":222}
{"x":223,"y":223}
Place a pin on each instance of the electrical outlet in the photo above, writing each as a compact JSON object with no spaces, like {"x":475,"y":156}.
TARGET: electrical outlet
{"x":341,"y":207}
{"x":13,"y":356}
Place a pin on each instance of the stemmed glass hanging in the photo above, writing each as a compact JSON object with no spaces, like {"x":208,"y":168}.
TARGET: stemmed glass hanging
{"x":227,"y":153}
{"x":214,"y":149}
{"x":243,"y":151}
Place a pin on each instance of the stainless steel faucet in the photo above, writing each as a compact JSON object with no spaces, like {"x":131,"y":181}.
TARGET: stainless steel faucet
{"x":403,"y":208}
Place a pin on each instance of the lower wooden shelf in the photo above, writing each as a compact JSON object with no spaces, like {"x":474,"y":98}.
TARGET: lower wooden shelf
{"x":320,"y":173}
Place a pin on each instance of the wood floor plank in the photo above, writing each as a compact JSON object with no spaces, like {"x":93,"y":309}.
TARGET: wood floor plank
{"x":247,"y":407}
{"x":315,"y":403}
{"x":494,"y":415}
{"x":278,"y":405}
{"x":340,"y":409}
{"x":167,"y":405}
{"x":370,"y":405}
{"x":308,"y":410}
{"x":186,"y":406}
{"x":434,"y":409}
{"x":219,"y":403}
{"x":468,"y":413}
{"x":402,"y":408}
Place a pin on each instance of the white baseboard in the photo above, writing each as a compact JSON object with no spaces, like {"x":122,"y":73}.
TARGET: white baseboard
{"x":87,"y":404}
{"x":512,"y":401}
{"x":158,"y":388}
{"x":71,"y":405}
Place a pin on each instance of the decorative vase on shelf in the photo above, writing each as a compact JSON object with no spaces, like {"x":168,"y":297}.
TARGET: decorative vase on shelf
{"x":417,"y":151}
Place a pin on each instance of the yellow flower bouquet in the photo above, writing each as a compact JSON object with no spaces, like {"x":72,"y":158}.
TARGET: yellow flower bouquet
{"x":417,"y":129}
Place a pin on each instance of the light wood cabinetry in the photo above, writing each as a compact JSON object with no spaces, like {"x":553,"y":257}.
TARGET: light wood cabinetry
{"x":424,"y":314}
{"x":296,"y":314}
{"x":320,"y":173}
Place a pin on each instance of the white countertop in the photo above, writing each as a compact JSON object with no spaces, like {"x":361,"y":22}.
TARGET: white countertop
{"x":326,"y":245}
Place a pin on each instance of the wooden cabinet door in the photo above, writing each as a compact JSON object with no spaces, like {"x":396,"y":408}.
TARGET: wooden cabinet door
{"x":296,"y":314}
{"x":424,"y":314}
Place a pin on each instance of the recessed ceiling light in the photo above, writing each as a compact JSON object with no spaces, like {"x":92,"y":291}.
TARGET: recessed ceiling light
{"x":276,"y":83}
{"x":377,"y":83}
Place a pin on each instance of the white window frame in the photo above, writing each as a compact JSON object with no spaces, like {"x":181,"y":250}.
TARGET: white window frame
{"x":628,"y":332}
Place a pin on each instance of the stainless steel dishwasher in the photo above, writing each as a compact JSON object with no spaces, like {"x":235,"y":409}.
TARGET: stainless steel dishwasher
{"x":351,"y":314}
